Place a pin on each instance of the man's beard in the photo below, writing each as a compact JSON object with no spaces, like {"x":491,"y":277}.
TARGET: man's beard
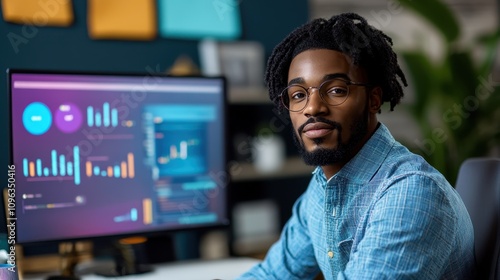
{"x":329,"y":156}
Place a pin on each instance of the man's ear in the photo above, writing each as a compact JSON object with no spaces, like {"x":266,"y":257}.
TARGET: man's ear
{"x":375,"y":97}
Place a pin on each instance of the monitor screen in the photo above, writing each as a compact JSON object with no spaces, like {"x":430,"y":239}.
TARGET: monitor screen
{"x":105,"y":155}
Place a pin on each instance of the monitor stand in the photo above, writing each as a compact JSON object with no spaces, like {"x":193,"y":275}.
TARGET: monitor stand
{"x":127,"y":254}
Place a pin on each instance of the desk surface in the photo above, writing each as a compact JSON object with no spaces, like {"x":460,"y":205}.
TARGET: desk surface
{"x":185,"y":270}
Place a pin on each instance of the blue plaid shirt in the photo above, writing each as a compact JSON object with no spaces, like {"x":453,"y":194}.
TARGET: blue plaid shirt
{"x":387,"y":214}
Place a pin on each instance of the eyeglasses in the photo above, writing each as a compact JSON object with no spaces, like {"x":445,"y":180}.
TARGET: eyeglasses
{"x":333,"y":92}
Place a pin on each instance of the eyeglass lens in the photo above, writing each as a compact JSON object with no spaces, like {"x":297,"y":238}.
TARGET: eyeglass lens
{"x":333,"y":92}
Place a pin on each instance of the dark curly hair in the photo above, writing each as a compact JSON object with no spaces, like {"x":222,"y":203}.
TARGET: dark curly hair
{"x":350,"y":34}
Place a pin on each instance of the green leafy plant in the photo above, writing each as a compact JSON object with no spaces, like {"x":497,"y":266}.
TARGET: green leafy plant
{"x":457,"y":100}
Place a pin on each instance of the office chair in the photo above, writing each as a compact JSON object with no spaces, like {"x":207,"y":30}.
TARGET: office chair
{"x":478,"y":184}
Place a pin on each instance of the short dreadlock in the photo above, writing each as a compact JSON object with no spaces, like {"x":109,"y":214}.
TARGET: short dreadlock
{"x":350,"y":34}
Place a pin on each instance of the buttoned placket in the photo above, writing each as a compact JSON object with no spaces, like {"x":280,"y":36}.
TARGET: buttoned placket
{"x":331,"y":220}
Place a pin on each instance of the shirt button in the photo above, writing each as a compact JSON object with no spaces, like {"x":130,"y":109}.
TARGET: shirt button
{"x":330,"y":254}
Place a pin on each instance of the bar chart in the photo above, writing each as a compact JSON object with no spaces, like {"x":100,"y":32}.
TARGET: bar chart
{"x":123,"y":169}
{"x":59,"y":168}
{"x":102,"y":117}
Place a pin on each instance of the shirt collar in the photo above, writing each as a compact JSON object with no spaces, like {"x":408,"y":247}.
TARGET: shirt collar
{"x":361,"y":168}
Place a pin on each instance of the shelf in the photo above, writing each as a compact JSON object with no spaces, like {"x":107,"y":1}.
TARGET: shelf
{"x":248,"y":95}
{"x":293,"y":166}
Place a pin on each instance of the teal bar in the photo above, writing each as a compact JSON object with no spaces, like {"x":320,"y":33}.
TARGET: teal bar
{"x":133,"y":214}
{"x":70,"y":168}
{"x":62,"y":165}
{"x":76,"y":156}
{"x":202,"y":185}
{"x":90,"y":116}
{"x":25,"y":167}
{"x":97,"y":170}
{"x":116,"y":171}
{"x":46,"y":172}
{"x":118,"y":219}
{"x":103,"y":173}
{"x":178,"y":112}
{"x":198,"y":219}
{"x":98,"y":119}
{"x":163,"y":192}
{"x":114,"y":117}
{"x":39,"y":167}
{"x":54,"y":162}
{"x":105,"y":114}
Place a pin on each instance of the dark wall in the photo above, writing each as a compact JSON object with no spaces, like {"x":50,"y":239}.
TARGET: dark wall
{"x":70,"y":48}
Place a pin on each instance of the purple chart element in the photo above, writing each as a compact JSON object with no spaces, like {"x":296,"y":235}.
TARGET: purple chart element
{"x":68,"y":118}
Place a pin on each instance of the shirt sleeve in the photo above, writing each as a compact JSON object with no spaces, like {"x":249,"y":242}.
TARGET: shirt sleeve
{"x":292,"y":256}
{"x":409,"y":234}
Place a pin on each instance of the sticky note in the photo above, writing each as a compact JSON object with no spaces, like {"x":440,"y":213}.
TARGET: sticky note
{"x":38,"y":12}
{"x":199,"y":19}
{"x":122,"y":19}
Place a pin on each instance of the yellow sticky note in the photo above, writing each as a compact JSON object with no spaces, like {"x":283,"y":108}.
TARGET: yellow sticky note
{"x":38,"y":12}
{"x":122,"y":19}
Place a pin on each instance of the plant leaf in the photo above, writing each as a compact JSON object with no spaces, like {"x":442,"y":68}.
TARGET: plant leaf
{"x":463,"y":74}
{"x":423,"y":75}
{"x":491,"y":42}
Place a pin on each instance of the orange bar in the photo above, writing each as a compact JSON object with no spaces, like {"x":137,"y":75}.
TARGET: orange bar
{"x":110,"y":171}
{"x":124,"y":169}
{"x":147,"y":209}
{"x":88,"y":168}
{"x":173,"y":152}
{"x":130,"y":159}
{"x":32,"y":169}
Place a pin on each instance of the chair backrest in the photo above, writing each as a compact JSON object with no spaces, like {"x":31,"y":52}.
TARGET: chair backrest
{"x":478,"y":184}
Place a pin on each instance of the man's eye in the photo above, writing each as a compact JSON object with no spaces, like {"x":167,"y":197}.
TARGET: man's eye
{"x":298,"y":95}
{"x":336,"y":91}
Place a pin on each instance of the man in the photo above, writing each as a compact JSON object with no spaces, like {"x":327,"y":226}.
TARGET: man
{"x":372,"y":210}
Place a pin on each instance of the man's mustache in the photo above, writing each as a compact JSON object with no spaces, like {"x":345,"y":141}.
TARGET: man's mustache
{"x":334,"y":125}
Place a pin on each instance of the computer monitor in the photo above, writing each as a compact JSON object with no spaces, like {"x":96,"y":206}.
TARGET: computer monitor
{"x":102,"y":155}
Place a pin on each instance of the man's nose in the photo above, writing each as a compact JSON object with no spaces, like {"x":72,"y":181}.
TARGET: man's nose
{"x":315,"y":104}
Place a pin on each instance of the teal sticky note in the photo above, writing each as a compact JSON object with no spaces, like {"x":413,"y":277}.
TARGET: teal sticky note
{"x":199,"y":19}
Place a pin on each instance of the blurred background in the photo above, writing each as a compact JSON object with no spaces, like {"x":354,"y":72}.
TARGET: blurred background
{"x":447,"y":49}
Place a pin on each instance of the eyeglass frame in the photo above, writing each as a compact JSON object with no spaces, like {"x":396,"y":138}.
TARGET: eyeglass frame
{"x":308,"y":94}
